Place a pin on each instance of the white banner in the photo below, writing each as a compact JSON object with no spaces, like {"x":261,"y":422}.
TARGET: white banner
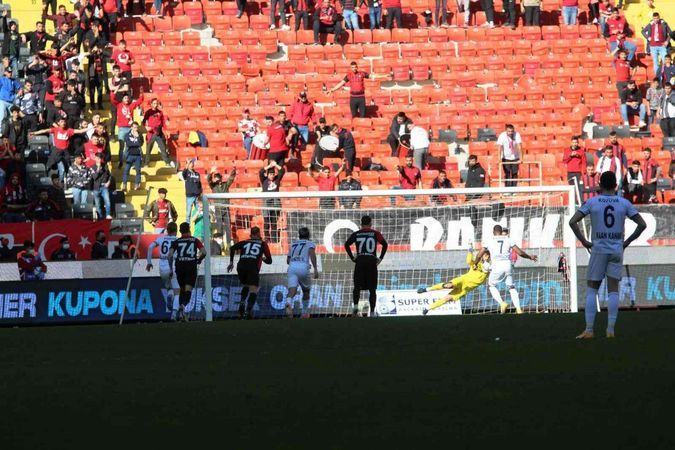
{"x":410,"y":303}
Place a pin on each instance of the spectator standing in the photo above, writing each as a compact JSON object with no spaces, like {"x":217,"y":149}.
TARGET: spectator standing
{"x":350,"y":14}
{"x":193,"y":187}
{"x":651,"y":174}
{"x":79,"y":180}
{"x":654,"y":97}
{"x":31,"y":267}
{"x":61,"y":137}
{"x":101,"y":180}
{"x":94,"y":45}
{"x":30,"y":106}
{"x":282,"y":14}
{"x":300,"y":115}
{"x":63,"y":253}
{"x":11,"y":43}
{"x":117,"y":87}
{"x":326,"y":20}
{"x":124,"y":59}
{"x":355,"y":81}
{"x":346,"y":144}
{"x":125,"y":117}
{"x":270,"y":180}
{"x":509,"y":144}
{"x":463,"y":6}
{"x":570,"y":11}
{"x":624,"y":71}
{"x":532,"y":8}
{"x":441,"y":182}
{"x":619,"y":149}
{"x":42,"y":209}
{"x":594,"y":11}
{"x":222,"y":212}
{"x":9,"y":88}
{"x":91,"y":148}
{"x":99,"y":249}
{"x":37,"y":40}
{"x":631,"y":104}
{"x":322,"y":129}
{"x":633,"y":183}
{"x":489,"y":8}
{"x":590,"y":183}
{"x":668,"y":71}
{"x":217,"y":244}
{"x":605,"y":9}
{"x":161,"y":212}
{"x":511,"y":19}
{"x":409,"y":176}
{"x":327,"y":183}
{"x":374,"y":13}
{"x":475,"y":176}
{"x":198,"y":221}
{"x":16,"y":131}
{"x":657,"y":33}
{"x":609,"y":162}
{"x":349,"y":183}
{"x":399,"y":127}
{"x":248,"y":128}
{"x":574,"y":159}
{"x":154,"y":121}
{"x":73,"y":103}
{"x":667,"y":111}
{"x":133,"y":156}
{"x":419,"y":144}
{"x":15,"y":201}
{"x":278,"y":140}
{"x":393,"y":12}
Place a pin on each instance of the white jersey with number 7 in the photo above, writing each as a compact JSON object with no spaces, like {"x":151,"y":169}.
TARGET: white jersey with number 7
{"x":608,"y":215}
{"x":500,"y":248}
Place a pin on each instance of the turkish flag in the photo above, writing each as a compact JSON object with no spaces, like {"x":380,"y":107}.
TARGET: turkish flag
{"x":80,"y":233}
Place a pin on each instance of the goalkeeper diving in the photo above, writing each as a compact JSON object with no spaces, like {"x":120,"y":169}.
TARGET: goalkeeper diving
{"x":463,"y":284}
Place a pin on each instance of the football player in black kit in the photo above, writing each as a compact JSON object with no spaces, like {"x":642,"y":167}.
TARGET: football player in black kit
{"x":365,"y":270}
{"x":187,"y":252}
{"x":252,"y":253}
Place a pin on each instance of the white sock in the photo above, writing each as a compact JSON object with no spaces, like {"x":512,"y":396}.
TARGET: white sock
{"x":612,"y":310}
{"x":496,"y":295}
{"x":515,"y":298}
{"x":591,"y":308}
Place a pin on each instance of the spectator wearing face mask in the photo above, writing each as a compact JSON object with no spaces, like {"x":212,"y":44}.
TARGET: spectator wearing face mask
{"x":125,"y":249}
{"x":31,"y":267}
{"x":63,"y":253}
{"x":217,"y":244}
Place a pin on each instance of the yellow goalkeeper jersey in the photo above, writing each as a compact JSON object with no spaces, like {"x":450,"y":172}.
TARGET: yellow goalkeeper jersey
{"x":475,"y":276}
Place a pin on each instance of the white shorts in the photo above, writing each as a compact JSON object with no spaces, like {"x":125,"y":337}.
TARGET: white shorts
{"x":604,"y":264}
{"x":500,"y":271}
{"x":299,"y":274}
{"x":169,"y":283}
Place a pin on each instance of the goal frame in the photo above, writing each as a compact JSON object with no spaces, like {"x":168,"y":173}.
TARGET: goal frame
{"x":562,"y":189}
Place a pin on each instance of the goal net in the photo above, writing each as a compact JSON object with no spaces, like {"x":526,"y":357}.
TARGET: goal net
{"x":429,"y":233}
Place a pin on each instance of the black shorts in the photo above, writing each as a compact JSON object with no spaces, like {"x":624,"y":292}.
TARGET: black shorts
{"x":186,"y":274}
{"x":249,"y":273}
{"x":365,"y":274}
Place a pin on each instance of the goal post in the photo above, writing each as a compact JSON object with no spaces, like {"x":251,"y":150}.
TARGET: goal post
{"x":429,"y":231}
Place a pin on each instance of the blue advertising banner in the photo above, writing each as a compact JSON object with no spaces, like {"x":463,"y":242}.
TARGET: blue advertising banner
{"x":100,"y":300}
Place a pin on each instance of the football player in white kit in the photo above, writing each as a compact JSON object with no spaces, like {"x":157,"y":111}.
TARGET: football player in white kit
{"x":167,"y":275}
{"x":300,"y":254}
{"x":500,"y":248}
{"x":608,"y":214}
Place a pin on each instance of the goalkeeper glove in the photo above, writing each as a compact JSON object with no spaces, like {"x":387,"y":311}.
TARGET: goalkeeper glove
{"x":421,"y":290}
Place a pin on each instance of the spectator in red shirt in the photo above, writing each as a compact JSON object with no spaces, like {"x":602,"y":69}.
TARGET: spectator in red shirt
{"x":326,"y":21}
{"x":154,"y":121}
{"x":575,"y":161}
{"x":110,"y":9}
{"x":60,"y":156}
{"x":327,"y":183}
{"x":61,"y":17}
{"x":590,"y":183}
{"x":616,"y":30}
{"x":409,"y":175}
{"x":355,"y":81}
{"x":125,"y":117}
{"x":93,"y":146}
{"x":652,"y":172}
{"x":393,"y":12}
{"x":278,"y":140}
{"x":31,"y":267}
{"x":124,"y":59}
{"x":301,"y":114}
{"x":624,"y":71}
{"x":54,"y":86}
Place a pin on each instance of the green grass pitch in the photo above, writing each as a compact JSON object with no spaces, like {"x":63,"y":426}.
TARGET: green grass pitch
{"x":411,"y":383}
